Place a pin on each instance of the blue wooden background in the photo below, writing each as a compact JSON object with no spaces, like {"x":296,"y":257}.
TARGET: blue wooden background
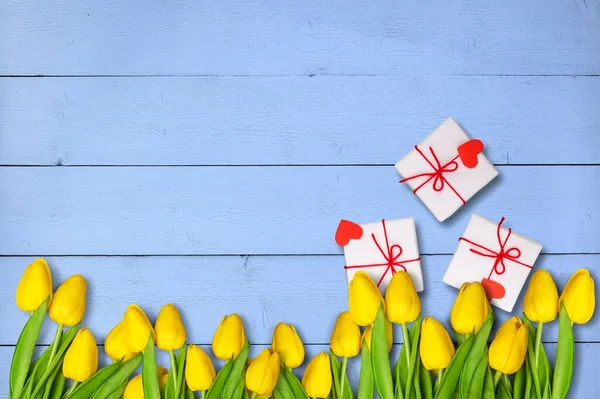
{"x":202,"y":153}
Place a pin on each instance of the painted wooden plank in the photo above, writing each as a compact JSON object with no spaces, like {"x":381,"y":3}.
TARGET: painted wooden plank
{"x":270,"y":210}
{"x":308,"y":291}
{"x":583,"y":385}
{"x":292,"y":120}
{"x":285,"y":37}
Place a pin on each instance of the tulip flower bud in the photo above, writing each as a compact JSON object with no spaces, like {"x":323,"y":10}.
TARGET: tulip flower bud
{"x":345,"y":338}
{"x":263,"y":373}
{"x":368,"y":333}
{"x":541,"y":298}
{"x":288,"y":344}
{"x":230,"y":337}
{"x":35,"y":286}
{"x":199,"y":370}
{"x":163,"y":376}
{"x":134,"y":388}
{"x":509,"y":347}
{"x":317,"y":378}
{"x":364,"y":299}
{"x":579,"y":297}
{"x":470,"y":310}
{"x":115,"y":344}
{"x":402,"y":303}
{"x":436,"y":347}
{"x":137,"y":329}
{"x":170,"y":332}
{"x":81,"y":359}
{"x":68,"y":305}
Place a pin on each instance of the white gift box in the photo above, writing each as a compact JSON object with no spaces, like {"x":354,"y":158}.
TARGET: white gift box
{"x":497,"y":257}
{"x":381,"y":249}
{"x":438,"y":175}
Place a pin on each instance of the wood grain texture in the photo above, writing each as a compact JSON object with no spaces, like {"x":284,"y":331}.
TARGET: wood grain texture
{"x":271,"y":210}
{"x":286,"y":37}
{"x":292,"y":120}
{"x":309,"y":291}
{"x":586,"y":369}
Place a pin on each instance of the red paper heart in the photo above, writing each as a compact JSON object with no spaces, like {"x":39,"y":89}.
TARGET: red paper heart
{"x":469,"y":151}
{"x":347,"y":231}
{"x":493,"y":289}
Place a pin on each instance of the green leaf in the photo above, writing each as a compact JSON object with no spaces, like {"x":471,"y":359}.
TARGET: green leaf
{"x":474,"y":356}
{"x":478,"y":379}
{"x":180,"y":364}
{"x":425,"y":380}
{"x":541,"y":373}
{"x":53,"y":377}
{"x":520,"y":382}
{"x":118,"y":378}
{"x":380,"y":358}
{"x":238,"y":392}
{"x":19,"y":367}
{"x":365,"y":383}
{"x":535,"y":375}
{"x":460,"y":338}
{"x":277,"y":394}
{"x":284,"y":387}
{"x":118,"y":392}
{"x":336,"y":370}
{"x":451,"y":375}
{"x":414,"y":334}
{"x":87,"y":388}
{"x":215,"y":390}
{"x":565,"y":356}
{"x":503,"y":391}
{"x":528,"y":380}
{"x":56,"y":360}
{"x":236,"y":373}
{"x":149,"y":371}
{"x":335,"y":374}
{"x":488,"y":385}
{"x":58,"y":385}
{"x":416,"y":389}
{"x":297,"y":388}
{"x":189,"y":394}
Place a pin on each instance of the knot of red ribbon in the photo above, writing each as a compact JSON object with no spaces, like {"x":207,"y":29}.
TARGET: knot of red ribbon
{"x":439,"y":180}
{"x":391,"y":254}
{"x":512,"y":254}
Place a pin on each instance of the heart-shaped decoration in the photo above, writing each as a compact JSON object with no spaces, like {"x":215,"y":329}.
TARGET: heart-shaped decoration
{"x":469,"y":151}
{"x":493,"y":289}
{"x":347,"y":231}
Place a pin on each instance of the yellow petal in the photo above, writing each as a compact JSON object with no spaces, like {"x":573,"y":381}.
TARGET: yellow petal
{"x":35,"y":286}
{"x":69,"y":302}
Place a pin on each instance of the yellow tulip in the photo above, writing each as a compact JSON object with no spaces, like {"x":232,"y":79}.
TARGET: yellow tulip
{"x":35,"y":286}
{"x":364,"y":299}
{"x":135,"y":389}
{"x":541,"y":298}
{"x":263,"y":373}
{"x":367,"y":334}
{"x":470,"y":310}
{"x":436,"y":347}
{"x":402,"y":303}
{"x":230,"y":337}
{"x":115,"y":344}
{"x":81,"y":359}
{"x":199,"y":370}
{"x":289,"y":345}
{"x":345,"y":338}
{"x":509,"y":347}
{"x":170,"y":331}
{"x":137,"y":329}
{"x":68,"y":305}
{"x":579,"y":297}
{"x":317,"y":378}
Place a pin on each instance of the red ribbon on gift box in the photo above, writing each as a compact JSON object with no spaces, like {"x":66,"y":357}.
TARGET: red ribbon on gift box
{"x":437,"y":176}
{"x":512,"y":254}
{"x":391,"y":255}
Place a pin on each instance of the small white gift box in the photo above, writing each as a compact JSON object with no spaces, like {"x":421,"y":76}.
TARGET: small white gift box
{"x":495,"y":256}
{"x":381,"y":249}
{"x":446,"y":169}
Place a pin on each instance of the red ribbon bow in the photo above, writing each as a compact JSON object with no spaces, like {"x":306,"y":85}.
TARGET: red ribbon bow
{"x":439,"y":180}
{"x":391,"y":254}
{"x":512,"y":254}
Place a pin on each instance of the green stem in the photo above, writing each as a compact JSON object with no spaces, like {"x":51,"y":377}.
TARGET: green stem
{"x":507,"y":383}
{"x":73,"y":387}
{"x":439,"y":378}
{"x":497,"y":378}
{"x":538,"y":343}
{"x":253,"y":396}
{"x":54,"y":346}
{"x":202,"y":394}
{"x":406,"y":342}
{"x":174,"y":369}
{"x":343,"y":375}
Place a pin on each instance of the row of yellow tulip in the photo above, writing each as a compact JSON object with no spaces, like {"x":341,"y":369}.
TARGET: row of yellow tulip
{"x":464,"y":371}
